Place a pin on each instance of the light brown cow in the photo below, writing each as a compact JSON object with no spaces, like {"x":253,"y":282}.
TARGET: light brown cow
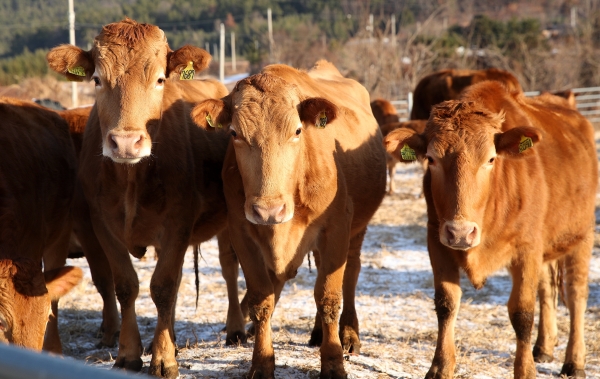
{"x":37,"y":177}
{"x":303,"y":172}
{"x":448,"y":84}
{"x":151,"y":177}
{"x":511,"y":182}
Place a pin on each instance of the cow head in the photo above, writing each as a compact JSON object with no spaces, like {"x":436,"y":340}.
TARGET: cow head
{"x":129,"y":64}
{"x":268,"y":119}
{"x":25,"y":296}
{"x":464,"y":146}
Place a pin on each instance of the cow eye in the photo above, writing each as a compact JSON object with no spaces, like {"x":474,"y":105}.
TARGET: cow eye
{"x":233,"y":133}
{"x":160,"y":81}
{"x":492,"y":159}
{"x":430,"y":160}
{"x":298,"y":131}
{"x":96,"y":81}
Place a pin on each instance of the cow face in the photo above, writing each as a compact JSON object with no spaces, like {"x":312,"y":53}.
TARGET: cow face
{"x":268,"y":121}
{"x":129,"y":64}
{"x":464,"y":146}
{"x":25,"y":298}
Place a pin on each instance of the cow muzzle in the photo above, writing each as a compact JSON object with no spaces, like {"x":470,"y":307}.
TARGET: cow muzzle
{"x":271,"y":214}
{"x":127,"y":147}
{"x":460,"y":235}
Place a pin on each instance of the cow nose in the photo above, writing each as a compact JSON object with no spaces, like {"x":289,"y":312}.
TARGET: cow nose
{"x":461,"y":234}
{"x":269,"y":214}
{"x":126,"y":145}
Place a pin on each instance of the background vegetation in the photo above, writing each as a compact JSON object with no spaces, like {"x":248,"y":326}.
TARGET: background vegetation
{"x":548,"y":44}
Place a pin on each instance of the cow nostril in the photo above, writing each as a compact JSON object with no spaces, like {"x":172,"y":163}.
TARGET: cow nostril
{"x":472,"y":234}
{"x":258,"y":212}
{"x":112,"y":142}
{"x":449,"y":234}
{"x":138,"y":143}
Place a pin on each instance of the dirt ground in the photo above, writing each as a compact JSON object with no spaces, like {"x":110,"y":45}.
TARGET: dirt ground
{"x":398,"y":326}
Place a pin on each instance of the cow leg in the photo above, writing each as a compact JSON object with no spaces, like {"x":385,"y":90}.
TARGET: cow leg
{"x":446,"y":277}
{"x":316,"y":336}
{"x":391,"y":166}
{"x":126,"y":288}
{"x":548,"y":297}
{"x":328,"y":295}
{"x":521,"y":307}
{"x":164,"y":286}
{"x":99,"y":269}
{"x":236,"y":323}
{"x":349,"y":334}
{"x":576,"y":276}
{"x":55,"y":256}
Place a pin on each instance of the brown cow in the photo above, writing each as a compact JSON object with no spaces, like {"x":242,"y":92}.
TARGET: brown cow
{"x":511,"y":182}
{"x":151,"y":177}
{"x":37,"y":178}
{"x":448,"y":84}
{"x":384,"y":111}
{"x":303,"y":172}
{"x":84,"y":240}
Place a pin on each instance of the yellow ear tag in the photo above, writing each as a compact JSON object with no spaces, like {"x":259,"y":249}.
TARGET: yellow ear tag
{"x":79,"y":71}
{"x":525,"y":144}
{"x":188,"y":72}
{"x":408,"y":154}
{"x":322,"y":121}
{"x":209,"y":120}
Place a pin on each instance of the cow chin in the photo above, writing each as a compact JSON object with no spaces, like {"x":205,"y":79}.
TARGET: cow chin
{"x":460,"y":235}
{"x":130,"y":161}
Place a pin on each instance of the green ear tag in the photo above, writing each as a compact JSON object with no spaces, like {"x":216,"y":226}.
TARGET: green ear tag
{"x":408,"y":154}
{"x":188,"y":72}
{"x":209,"y":120}
{"x":322,"y":121}
{"x":526,"y":143}
{"x":79,"y":71}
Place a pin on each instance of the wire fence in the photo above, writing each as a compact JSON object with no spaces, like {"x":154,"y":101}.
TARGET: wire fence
{"x":587,"y":101}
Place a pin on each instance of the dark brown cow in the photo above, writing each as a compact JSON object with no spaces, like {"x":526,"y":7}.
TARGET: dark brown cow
{"x":448,"y":84}
{"x":151,"y":177}
{"x":84,"y":240}
{"x":391,"y":161}
{"x":511,"y":183}
{"x":37,"y":178}
{"x":303,"y":172}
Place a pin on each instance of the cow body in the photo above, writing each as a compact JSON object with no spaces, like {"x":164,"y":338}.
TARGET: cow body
{"x":304,"y":172}
{"x":150,"y":176}
{"x":498,"y":198}
{"x":448,"y":84}
{"x":37,"y":179}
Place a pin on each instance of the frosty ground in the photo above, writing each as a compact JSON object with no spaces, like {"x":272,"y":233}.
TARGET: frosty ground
{"x":398,"y":326}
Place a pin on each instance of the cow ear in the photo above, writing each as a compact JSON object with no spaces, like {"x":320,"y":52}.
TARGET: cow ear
{"x":185,"y":59}
{"x":71,"y":61}
{"x":212,"y":113}
{"x":517,"y":142}
{"x":61,"y":280}
{"x":406,"y":145}
{"x":317,"y":111}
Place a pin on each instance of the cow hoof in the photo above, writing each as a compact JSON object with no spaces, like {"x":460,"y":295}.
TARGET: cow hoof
{"x":350,"y":341}
{"x":134,"y":365}
{"x":540,"y":357}
{"x":435,"y":373}
{"x":255,"y":374}
{"x":236,"y":338}
{"x":171,"y":372}
{"x":316,"y":338}
{"x":569,"y":371}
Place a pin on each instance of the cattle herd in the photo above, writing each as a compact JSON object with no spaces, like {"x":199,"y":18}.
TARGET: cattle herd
{"x":289,"y":162}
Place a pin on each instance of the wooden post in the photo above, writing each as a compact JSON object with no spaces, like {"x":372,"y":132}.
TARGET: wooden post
{"x":233,"y":65}
{"x":222,"y":54}
{"x":74,"y":97}
{"x":270,"y":27}
{"x":393,"y":30}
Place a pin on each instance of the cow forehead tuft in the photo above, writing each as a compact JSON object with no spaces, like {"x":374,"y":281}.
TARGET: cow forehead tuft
{"x":130,"y":33}
{"x":457,"y":115}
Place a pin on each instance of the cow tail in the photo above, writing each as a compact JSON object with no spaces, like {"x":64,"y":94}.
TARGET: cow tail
{"x":196,"y":254}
